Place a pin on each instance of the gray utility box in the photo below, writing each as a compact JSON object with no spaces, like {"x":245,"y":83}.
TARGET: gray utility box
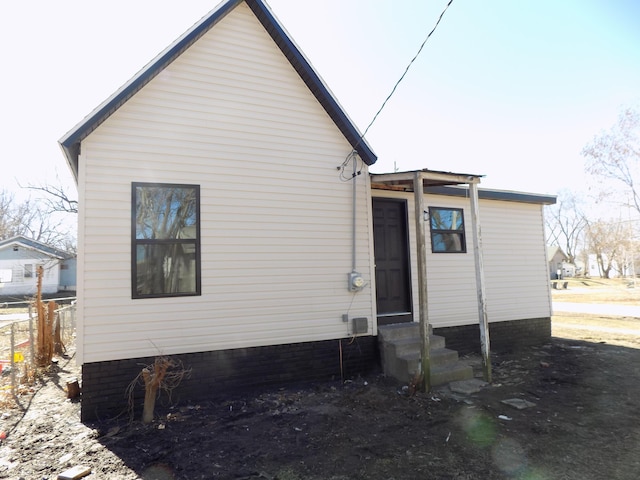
{"x":360,"y":325}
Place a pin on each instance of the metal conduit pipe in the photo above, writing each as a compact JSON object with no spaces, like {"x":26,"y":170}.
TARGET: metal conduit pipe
{"x":356,"y":282}
{"x":353,"y":220}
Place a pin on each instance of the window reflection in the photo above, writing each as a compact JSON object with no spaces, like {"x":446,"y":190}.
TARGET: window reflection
{"x":447,"y":230}
{"x":166,"y":240}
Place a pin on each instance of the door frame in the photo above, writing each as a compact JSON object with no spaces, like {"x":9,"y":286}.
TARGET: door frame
{"x":399,"y":317}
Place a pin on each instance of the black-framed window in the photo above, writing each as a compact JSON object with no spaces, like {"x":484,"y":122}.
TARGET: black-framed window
{"x":447,"y":230}
{"x":165,"y":240}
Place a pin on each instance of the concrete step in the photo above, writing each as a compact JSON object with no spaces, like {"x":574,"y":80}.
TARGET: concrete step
{"x":404,"y":367}
{"x":398,"y":331}
{"x":401,"y":330}
{"x":437,"y":357}
{"x":443,"y":356}
{"x":409,"y":348}
{"x":400,"y":351}
{"x":414,"y":344}
{"x":451,"y":373}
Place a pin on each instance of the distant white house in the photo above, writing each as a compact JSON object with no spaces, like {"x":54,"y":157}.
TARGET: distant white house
{"x":616,"y":270}
{"x":20,"y":258}
{"x":559,"y":265}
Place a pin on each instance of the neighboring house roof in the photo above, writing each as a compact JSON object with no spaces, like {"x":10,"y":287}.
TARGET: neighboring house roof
{"x":505,"y":195}
{"x":70,"y":142}
{"x":35,"y":245}
{"x":554,"y":250}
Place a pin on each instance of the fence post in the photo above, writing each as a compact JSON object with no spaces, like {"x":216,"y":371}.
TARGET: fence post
{"x":13,"y":358}
{"x":63,"y":322}
{"x":58,"y":346}
{"x":32,"y":347}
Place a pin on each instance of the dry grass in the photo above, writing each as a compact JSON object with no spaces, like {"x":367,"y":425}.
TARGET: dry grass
{"x":582,"y":290}
{"x":623,"y":331}
{"x":614,"y":330}
{"x":12,"y":310}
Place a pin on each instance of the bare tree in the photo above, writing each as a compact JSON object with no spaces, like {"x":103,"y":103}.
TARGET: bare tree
{"x":613,"y":158}
{"x":9,"y":219}
{"x":565,"y":222}
{"x":28,"y":219}
{"x":610,"y":241}
{"x":18,"y":218}
{"x":56,"y":197}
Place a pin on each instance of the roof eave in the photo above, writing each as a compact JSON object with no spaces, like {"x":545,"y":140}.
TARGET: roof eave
{"x":34,"y":245}
{"x":491,"y":194}
{"x":313,"y":81}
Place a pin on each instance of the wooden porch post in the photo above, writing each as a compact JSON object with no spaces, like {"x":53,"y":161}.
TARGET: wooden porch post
{"x":482,"y":299}
{"x":422,"y":280}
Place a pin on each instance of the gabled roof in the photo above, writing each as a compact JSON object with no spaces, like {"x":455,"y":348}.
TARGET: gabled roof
{"x":553,"y":250}
{"x":35,"y":245}
{"x":70,"y":142}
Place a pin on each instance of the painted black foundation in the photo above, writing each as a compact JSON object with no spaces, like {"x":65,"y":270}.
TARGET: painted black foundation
{"x":504,"y":336}
{"x":219,"y":374}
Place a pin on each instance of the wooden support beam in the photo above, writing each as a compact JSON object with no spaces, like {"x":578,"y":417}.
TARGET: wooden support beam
{"x":485,"y":343}
{"x":384,"y":186}
{"x":430,"y":176}
{"x":421,"y":240}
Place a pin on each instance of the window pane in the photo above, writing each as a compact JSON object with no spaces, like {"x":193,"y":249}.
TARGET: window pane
{"x":165,"y":212}
{"x":165,"y":240}
{"x":442,"y":219}
{"x":166,"y":269}
{"x":447,"y":242}
{"x":447,"y":230}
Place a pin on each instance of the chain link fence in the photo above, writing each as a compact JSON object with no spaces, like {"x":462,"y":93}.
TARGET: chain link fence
{"x":18,"y":346}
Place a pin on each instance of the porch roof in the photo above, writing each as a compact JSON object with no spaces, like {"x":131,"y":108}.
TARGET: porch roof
{"x":403,"y":181}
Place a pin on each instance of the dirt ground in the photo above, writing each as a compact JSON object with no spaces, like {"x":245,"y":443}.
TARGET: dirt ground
{"x":580,"y":422}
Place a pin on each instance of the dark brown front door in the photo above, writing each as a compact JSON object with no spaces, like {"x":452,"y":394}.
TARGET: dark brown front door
{"x":393,"y":284}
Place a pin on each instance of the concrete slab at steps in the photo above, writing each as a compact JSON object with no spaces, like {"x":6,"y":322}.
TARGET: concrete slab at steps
{"x":467,"y":387}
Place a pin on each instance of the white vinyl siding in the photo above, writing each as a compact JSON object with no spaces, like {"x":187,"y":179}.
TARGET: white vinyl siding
{"x":515,"y":260}
{"x":515,"y":265}
{"x":231,"y":115}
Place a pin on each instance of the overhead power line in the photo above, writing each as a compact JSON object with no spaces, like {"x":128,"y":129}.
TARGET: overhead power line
{"x":405,"y":73}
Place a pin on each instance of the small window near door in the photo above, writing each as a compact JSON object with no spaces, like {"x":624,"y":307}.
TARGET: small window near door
{"x":447,"y":230}
{"x":28,"y":270}
{"x":165,"y":246}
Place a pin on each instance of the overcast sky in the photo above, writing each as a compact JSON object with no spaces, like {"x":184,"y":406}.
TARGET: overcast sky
{"x":508,"y":89}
